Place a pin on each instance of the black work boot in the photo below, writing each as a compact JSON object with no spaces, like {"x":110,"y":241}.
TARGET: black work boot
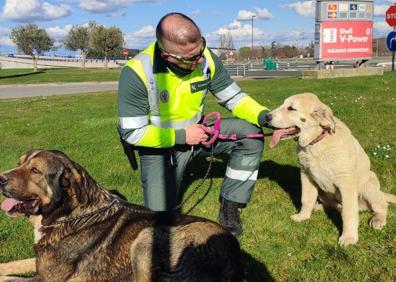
{"x":229,"y":217}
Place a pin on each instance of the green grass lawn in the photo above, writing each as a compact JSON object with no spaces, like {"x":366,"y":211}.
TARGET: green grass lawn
{"x":275,"y":247}
{"x":23,"y":76}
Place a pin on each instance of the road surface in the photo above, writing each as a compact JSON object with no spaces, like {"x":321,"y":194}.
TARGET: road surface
{"x":49,"y":89}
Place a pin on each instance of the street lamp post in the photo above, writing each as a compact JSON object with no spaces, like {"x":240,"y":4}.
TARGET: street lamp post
{"x":252,"y":37}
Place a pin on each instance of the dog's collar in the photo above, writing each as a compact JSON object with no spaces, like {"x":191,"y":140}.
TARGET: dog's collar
{"x":115,"y":203}
{"x":320,"y":137}
{"x":79,"y":217}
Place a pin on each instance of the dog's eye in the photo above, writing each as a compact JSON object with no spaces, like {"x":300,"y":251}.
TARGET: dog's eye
{"x":35,"y":170}
{"x":290,"y":108}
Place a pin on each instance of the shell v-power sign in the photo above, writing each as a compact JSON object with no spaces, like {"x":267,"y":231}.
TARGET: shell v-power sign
{"x":343,"y":30}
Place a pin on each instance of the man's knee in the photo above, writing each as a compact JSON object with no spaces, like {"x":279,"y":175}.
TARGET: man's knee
{"x":251,"y":144}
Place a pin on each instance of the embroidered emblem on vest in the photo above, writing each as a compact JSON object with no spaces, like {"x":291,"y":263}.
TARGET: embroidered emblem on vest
{"x":164,"y":96}
{"x":199,"y":86}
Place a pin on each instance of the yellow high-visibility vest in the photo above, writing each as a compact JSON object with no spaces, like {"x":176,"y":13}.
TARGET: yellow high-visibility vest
{"x":175,"y":102}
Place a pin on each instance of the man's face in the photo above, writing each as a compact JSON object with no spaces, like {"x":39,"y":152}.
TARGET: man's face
{"x":184,"y":56}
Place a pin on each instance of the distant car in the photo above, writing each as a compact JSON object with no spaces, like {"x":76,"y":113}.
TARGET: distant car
{"x":10,"y":55}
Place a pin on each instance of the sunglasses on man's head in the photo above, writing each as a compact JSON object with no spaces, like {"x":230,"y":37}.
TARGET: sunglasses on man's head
{"x":188,"y":60}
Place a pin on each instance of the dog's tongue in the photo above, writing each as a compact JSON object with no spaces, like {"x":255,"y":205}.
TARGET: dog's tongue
{"x":8,"y":204}
{"x":277,"y":135}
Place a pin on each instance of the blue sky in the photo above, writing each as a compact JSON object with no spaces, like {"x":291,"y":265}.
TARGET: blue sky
{"x":286,"y":22}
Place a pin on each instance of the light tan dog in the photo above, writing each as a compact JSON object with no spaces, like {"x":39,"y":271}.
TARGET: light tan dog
{"x":334,"y":166}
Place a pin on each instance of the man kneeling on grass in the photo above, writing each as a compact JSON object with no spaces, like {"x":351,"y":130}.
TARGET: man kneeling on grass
{"x":161,"y":102}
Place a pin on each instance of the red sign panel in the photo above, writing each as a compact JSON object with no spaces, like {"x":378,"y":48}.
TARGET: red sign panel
{"x":390,"y":16}
{"x":346,"y":40}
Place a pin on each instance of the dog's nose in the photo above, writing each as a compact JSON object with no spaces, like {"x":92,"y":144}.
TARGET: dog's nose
{"x":3,"y":179}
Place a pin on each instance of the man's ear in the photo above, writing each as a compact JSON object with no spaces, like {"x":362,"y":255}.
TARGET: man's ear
{"x":324,"y":116}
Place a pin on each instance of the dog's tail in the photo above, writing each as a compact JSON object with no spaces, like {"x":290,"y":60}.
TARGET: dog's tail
{"x":390,"y":198}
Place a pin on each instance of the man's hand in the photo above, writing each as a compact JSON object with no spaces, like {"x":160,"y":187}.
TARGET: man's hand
{"x":195,"y":135}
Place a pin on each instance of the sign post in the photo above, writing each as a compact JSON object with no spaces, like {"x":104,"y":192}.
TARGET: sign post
{"x":390,"y":18}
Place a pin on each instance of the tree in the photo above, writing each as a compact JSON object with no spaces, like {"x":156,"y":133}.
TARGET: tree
{"x":78,"y":39}
{"x":106,"y":39}
{"x":245,"y":52}
{"x":31,"y":40}
{"x":309,"y":50}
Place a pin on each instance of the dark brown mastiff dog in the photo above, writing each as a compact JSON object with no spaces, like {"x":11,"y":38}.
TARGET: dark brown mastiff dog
{"x":85,"y":233}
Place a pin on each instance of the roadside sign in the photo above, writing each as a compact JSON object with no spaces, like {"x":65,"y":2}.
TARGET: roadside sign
{"x":346,"y":40}
{"x":390,"y":15}
{"x":391,"y":41}
{"x":343,"y":30}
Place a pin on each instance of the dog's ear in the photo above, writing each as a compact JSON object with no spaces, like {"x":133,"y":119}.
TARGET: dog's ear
{"x":70,"y":172}
{"x":70,"y":176}
{"x":27,"y":155}
{"x":324,"y":116}
{"x":75,"y":181}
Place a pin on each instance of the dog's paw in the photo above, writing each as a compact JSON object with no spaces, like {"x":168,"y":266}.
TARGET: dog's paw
{"x":346,"y":240}
{"x":377,"y":222}
{"x":299,"y":217}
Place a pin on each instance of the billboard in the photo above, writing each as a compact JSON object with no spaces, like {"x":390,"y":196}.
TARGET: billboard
{"x":346,"y":40}
{"x":343,"y":30}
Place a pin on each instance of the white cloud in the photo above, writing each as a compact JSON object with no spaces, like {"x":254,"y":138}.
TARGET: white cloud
{"x":382,"y":28}
{"x":5,"y":37}
{"x":234,"y":25}
{"x":6,"y":41}
{"x":97,"y":6}
{"x":305,"y":8}
{"x":108,"y":6}
{"x":145,"y":32}
{"x":140,"y":38}
{"x":244,"y":15}
{"x":33,"y":10}
{"x":58,"y":32}
{"x":261,"y":13}
{"x":116,"y":15}
{"x":379,"y":10}
{"x":241,"y":32}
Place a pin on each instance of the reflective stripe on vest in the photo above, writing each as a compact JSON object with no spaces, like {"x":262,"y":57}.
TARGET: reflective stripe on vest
{"x":150,"y":82}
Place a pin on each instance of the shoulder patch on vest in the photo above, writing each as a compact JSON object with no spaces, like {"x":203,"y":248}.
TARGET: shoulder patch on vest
{"x":199,"y":85}
{"x":164,"y":96}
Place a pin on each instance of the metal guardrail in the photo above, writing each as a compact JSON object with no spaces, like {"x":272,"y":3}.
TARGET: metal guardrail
{"x":237,"y":69}
{"x":293,"y":67}
{"x":258,"y":71}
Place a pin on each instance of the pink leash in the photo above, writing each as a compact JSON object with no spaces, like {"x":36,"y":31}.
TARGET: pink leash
{"x":214,"y":131}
